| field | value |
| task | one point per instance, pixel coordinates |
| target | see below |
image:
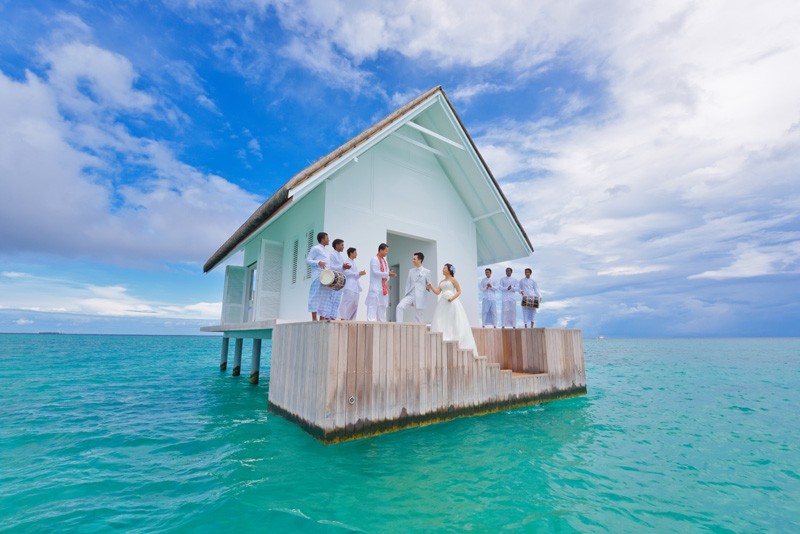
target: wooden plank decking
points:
(345, 379)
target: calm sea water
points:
(101, 433)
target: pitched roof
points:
(281, 197)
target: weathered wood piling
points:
(223, 362)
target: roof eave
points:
(524, 234)
(268, 208)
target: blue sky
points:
(652, 151)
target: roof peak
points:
(281, 196)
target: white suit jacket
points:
(416, 284)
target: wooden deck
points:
(342, 380)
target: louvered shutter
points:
(268, 294)
(233, 295)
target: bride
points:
(449, 316)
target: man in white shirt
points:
(329, 300)
(352, 288)
(416, 289)
(528, 288)
(378, 294)
(508, 290)
(318, 260)
(489, 293)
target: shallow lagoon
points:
(144, 433)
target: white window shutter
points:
(268, 294)
(310, 243)
(233, 296)
(295, 258)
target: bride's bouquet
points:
(448, 294)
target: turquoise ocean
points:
(144, 434)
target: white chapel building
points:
(414, 180)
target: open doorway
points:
(394, 294)
(401, 247)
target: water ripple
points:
(95, 437)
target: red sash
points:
(384, 268)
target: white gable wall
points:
(396, 187)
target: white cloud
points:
(89, 78)
(334, 39)
(565, 322)
(320, 58)
(54, 295)
(464, 32)
(465, 93)
(627, 270)
(696, 154)
(62, 190)
(22, 321)
(14, 274)
(751, 261)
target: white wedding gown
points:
(451, 319)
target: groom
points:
(418, 279)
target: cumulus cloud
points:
(449, 33)
(76, 182)
(88, 78)
(690, 174)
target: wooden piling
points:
(237, 357)
(255, 361)
(223, 360)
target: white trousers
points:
(348, 308)
(376, 312)
(510, 313)
(528, 315)
(408, 302)
(489, 312)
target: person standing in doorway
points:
(318, 260)
(489, 304)
(416, 289)
(378, 294)
(508, 291)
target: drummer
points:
(528, 288)
(317, 260)
(330, 299)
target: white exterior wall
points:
(397, 188)
(307, 214)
